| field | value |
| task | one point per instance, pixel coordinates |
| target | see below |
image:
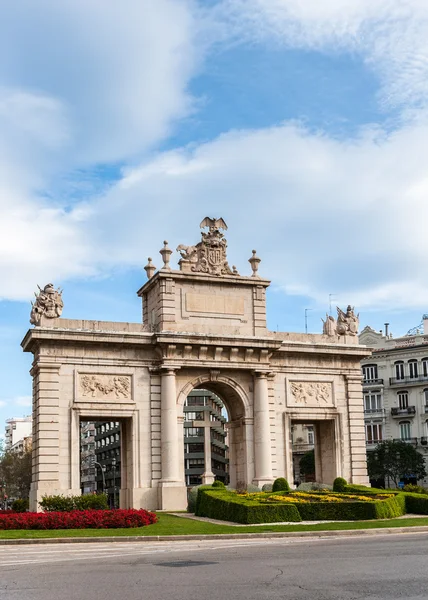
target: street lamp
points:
(113, 464)
(103, 470)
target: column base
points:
(208, 478)
(172, 495)
(262, 480)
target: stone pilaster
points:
(46, 408)
(262, 441)
(357, 442)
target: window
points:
(426, 398)
(193, 416)
(403, 399)
(193, 432)
(399, 369)
(311, 435)
(195, 463)
(373, 401)
(370, 372)
(374, 433)
(413, 369)
(405, 430)
(195, 448)
(425, 367)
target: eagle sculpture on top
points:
(213, 224)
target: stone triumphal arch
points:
(203, 327)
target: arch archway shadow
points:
(239, 425)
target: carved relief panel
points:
(314, 394)
(100, 386)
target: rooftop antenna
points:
(306, 319)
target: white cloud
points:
(324, 214)
(16, 401)
(83, 83)
(23, 401)
(390, 35)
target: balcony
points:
(409, 411)
(408, 380)
(372, 443)
(413, 441)
(374, 412)
(370, 382)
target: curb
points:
(221, 536)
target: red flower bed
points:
(78, 519)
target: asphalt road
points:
(383, 567)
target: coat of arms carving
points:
(209, 256)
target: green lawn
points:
(172, 525)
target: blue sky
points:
(303, 124)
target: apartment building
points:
(17, 428)
(205, 449)
(87, 457)
(395, 387)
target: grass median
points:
(173, 525)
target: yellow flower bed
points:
(305, 497)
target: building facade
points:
(108, 460)
(203, 328)
(205, 448)
(87, 457)
(17, 429)
(395, 388)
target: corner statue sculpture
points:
(346, 324)
(48, 304)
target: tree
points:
(307, 463)
(15, 473)
(396, 460)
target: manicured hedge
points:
(352, 511)
(78, 519)
(228, 506)
(415, 503)
(368, 491)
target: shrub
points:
(252, 489)
(415, 489)
(312, 486)
(229, 506)
(280, 485)
(78, 519)
(218, 484)
(192, 497)
(66, 503)
(20, 505)
(267, 487)
(339, 484)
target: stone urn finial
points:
(166, 255)
(254, 262)
(150, 268)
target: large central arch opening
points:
(214, 434)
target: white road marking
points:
(26, 555)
